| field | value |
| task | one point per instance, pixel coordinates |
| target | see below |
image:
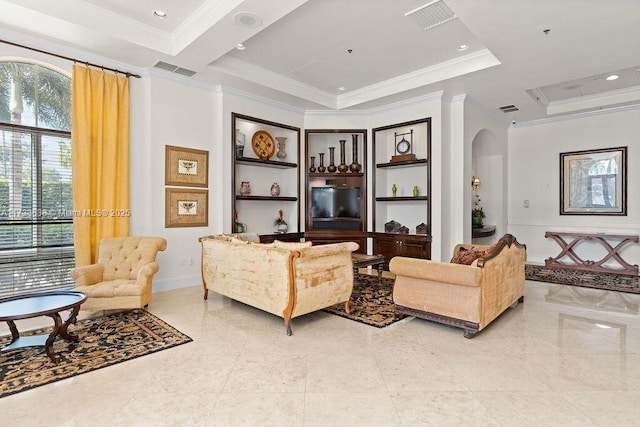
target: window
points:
(601, 187)
(36, 211)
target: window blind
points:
(36, 210)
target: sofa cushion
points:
(293, 246)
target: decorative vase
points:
(355, 167)
(394, 189)
(275, 189)
(321, 168)
(312, 168)
(332, 167)
(342, 167)
(416, 191)
(283, 227)
(281, 154)
(245, 188)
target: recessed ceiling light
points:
(240, 46)
(247, 20)
(613, 77)
(160, 14)
(341, 88)
(463, 47)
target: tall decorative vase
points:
(342, 167)
(321, 168)
(355, 167)
(281, 154)
(394, 189)
(332, 166)
(312, 168)
(416, 191)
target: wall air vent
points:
(431, 14)
(508, 108)
(174, 69)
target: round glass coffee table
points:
(41, 304)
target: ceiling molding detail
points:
(201, 20)
(248, 71)
(466, 64)
(597, 100)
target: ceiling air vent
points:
(508, 108)
(431, 14)
(174, 69)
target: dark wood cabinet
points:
(408, 245)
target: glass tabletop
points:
(31, 305)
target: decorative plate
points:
(263, 145)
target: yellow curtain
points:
(100, 156)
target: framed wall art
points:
(186, 167)
(186, 207)
(594, 182)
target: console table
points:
(567, 249)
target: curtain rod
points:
(126, 73)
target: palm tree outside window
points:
(36, 214)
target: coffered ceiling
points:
(546, 57)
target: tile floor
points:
(568, 356)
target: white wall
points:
(534, 174)
(478, 146)
(170, 112)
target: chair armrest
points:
(87, 274)
(457, 274)
(147, 271)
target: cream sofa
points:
(465, 296)
(285, 279)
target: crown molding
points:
(580, 115)
(466, 64)
(257, 98)
(597, 100)
(245, 70)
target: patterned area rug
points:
(371, 303)
(104, 341)
(587, 279)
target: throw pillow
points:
(466, 256)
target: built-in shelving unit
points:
(258, 210)
(336, 200)
(402, 158)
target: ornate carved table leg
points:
(48, 346)
(14, 331)
(64, 333)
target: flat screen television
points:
(331, 202)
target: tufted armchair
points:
(121, 278)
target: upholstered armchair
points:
(454, 293)
(121, 278)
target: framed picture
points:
(186, 208)
(594, 182)
(186, 167)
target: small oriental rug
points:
(587, 279)
(104, 341)
(371, 303)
